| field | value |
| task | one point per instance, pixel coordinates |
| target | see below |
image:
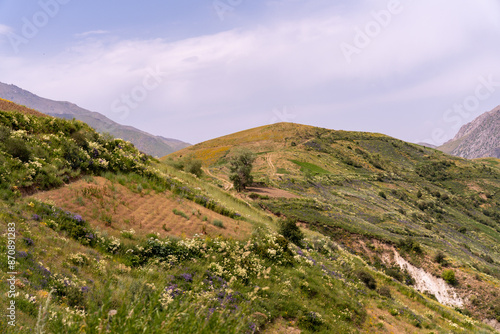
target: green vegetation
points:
(241, 168)
(329, 275)
(309, 167)
(180, 213)
(188, 164)
(218, 223)
(290, 230)
(449, 276)
(45, 152)
(372, 187)
(367, 279)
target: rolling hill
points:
(374, 186)
(343, 232)
(477, 139)
(150, 144)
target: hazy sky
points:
(198, 69)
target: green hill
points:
(361, 187)
(88, 259)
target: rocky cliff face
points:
(477, 139)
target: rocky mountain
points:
(477, 139)
(146, 142)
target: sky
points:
(199, 69)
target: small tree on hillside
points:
(241, 168)
(193, 166)
(290, 230)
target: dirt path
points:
(227, 185)
(271, 165)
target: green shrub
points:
(395, 273)
(311, 321)
(193, 166)
(449, 276)
(218, 223)
(487, 258)
(440, 258)
(180, 213)
(385, 292)
(382, 194)
(290, 230)
(4, 133)
(18, 149)
(254, 196)
(367, 278)
(410, 245)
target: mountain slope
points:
(104, 253)
(477, 139)
(150, 144)
(362, 189)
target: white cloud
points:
(91, 33)
(4, 30)
(429, 51)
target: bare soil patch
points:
(271, 192)
(114, 208)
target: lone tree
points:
(241, 167)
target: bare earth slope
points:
(115, 208)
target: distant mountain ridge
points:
(477, 139)
(146, 142)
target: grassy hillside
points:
(126, 244)
(359, 188)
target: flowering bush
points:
(69, 146)
(78, 259)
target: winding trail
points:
(270, 164)
(227, 185)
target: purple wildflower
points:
(28, 241)
(187, 277)
(21, 255)
(252, 326)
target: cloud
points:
(5, 29)
(91, 33)
(240, 76)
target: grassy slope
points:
(103, 281)
(382, 189)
